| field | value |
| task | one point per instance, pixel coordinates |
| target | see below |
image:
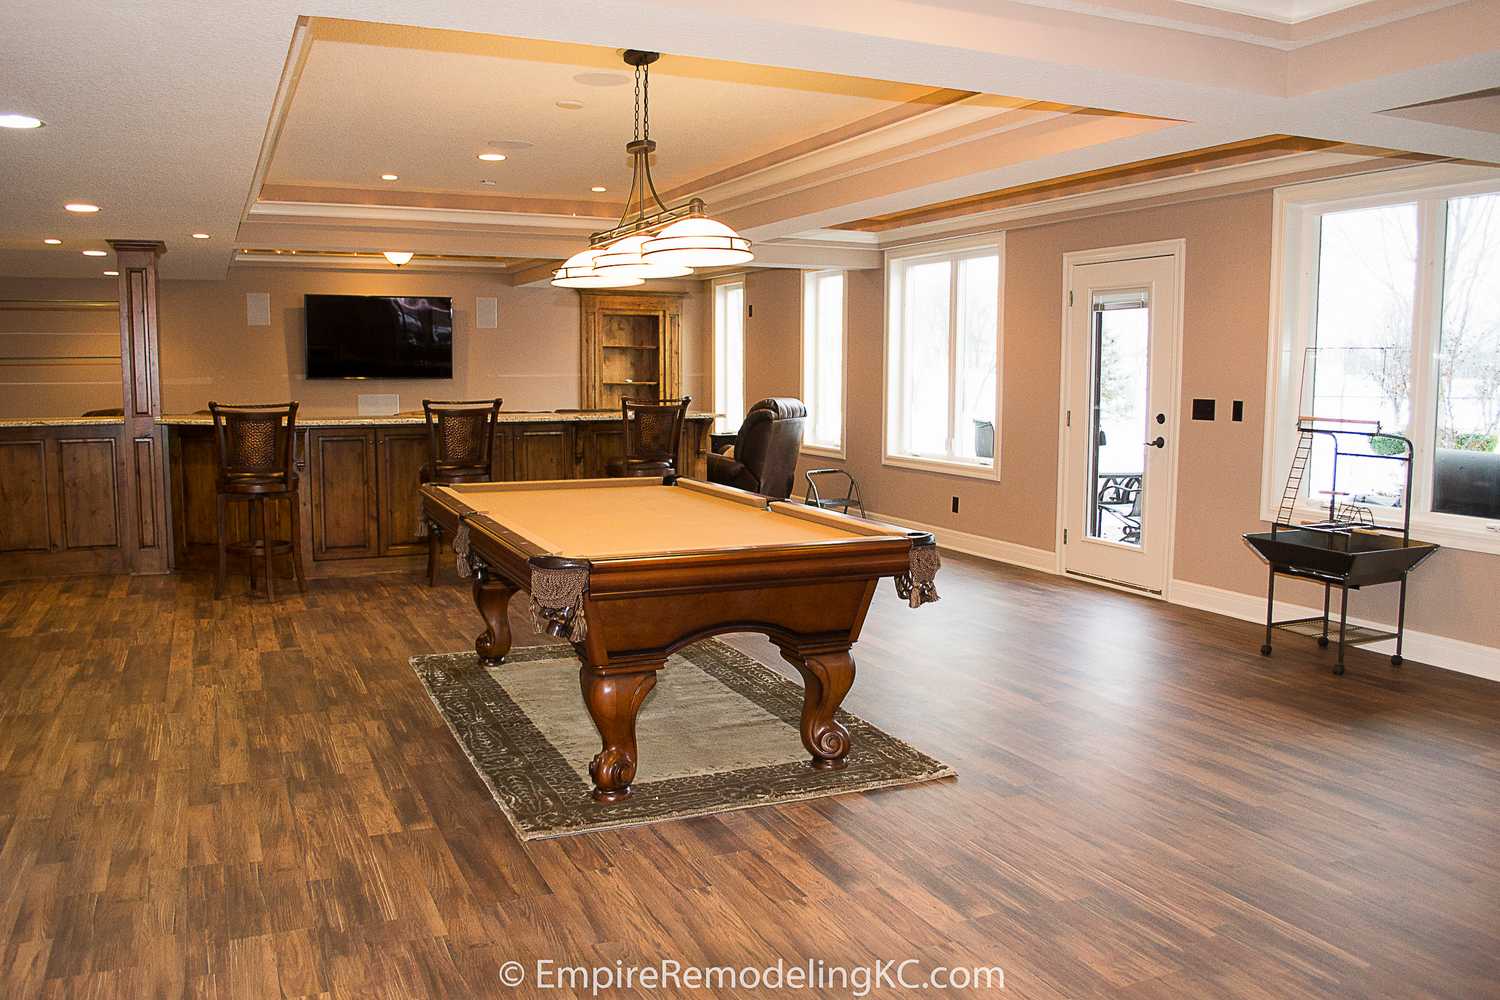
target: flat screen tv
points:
(378, 336)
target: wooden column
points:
(144, 502)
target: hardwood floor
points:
(230, 799)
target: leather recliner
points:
(765, 450)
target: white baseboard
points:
(1423, 647)
(981, 545)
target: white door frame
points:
(1177, 250)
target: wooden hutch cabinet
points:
(632, 347)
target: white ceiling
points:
(1286, 11)
(425, 113)
(159, 112)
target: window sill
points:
(823, 451)
(1437, 529)
(969, 470)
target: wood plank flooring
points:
(226, 799)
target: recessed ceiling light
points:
(200, 236)
(488, 183)
(111, 274)
(598, 189)
(81, 206)
(601, 79)
(569, 104)
(20, 121)
(53, 243)
(96, 253)
(492, 157)
(390, 177)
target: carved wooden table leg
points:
(613, 701)
(826, 677)
(492, 597)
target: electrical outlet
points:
(955, 505)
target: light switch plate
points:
(486, 312)
(257, 308)
(379, 404)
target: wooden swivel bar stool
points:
(254, 450)
(460, 445)
(653, 432)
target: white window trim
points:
(943, 248)
(823, 451)
(713, 347)
(1294, 266)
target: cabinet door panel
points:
(345, 522)
(544, 451)
(401, 456)
(23, 496)
(601, 442)
(90, 503)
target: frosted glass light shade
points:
(697, 243)
(578, 272)
(398, 257)
(624, 257)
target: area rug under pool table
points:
(718, 733)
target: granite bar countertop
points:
(400, 419)
(59, 421)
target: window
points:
(729, 355)
(942, 337)
(823, 361)
(1391, 279)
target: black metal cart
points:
(1347, 551)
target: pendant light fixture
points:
(652, 240)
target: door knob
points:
(1160, 442)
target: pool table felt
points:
(607, 521)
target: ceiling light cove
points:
(20, 121)
(492, 157)
(652, 240)
(96, 253)
(81, 207)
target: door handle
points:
(1160, 442)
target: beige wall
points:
(209, 352)
(55, 362)
(1226, 322)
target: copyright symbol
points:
(512, 974)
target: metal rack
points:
(1347, 550)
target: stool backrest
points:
(653, 428)
(460, 435)
(254, 440)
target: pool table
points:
(630, 570)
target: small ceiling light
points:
(20, 121)
(53, 243)
(569, 104)
(111, 274)
(390, 177)
(96, 253)
(81, 206)
(492, 157)
(398, 257)
(598, 189)
(200, 236)
(488, 182)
